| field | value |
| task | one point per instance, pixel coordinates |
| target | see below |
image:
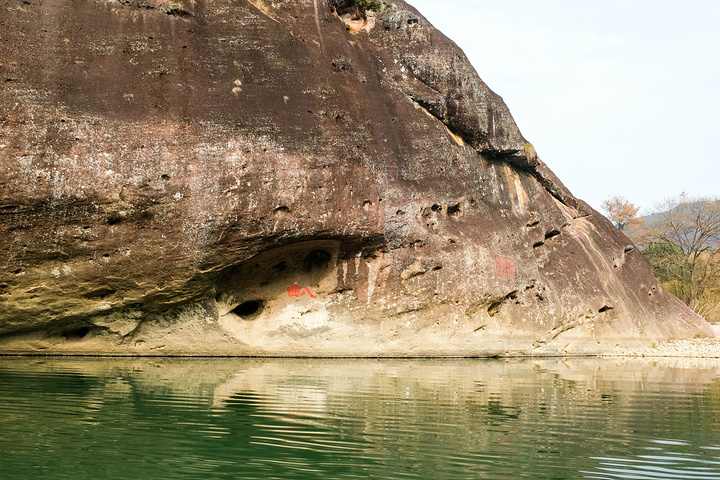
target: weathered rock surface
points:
(291, 177)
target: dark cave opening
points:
(248, 309)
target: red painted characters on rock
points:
(505, 267)
(296, 290)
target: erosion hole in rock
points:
(114, 219)
(342, 7)
(454, 210)
(436, 208)
(604, 309)
(76, 333)
(494, 307)
(282, 209)
(248, 309)
(552, 233)
(316, 259)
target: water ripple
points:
(684, 461)
(266, 419)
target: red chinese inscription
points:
(297, 291)
(505, 267)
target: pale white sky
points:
(619, 97)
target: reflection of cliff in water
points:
(329, 387)
(320, 416)
(311, 382)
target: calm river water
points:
(338, 419)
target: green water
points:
(341, 419)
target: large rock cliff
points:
(290, 177)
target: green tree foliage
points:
(665, 258)
(682, 243)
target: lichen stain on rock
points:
(251, 178)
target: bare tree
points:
(682, 242)
(620, 212)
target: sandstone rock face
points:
(290, 177)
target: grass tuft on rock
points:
(373, 5)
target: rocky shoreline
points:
(696, 348)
